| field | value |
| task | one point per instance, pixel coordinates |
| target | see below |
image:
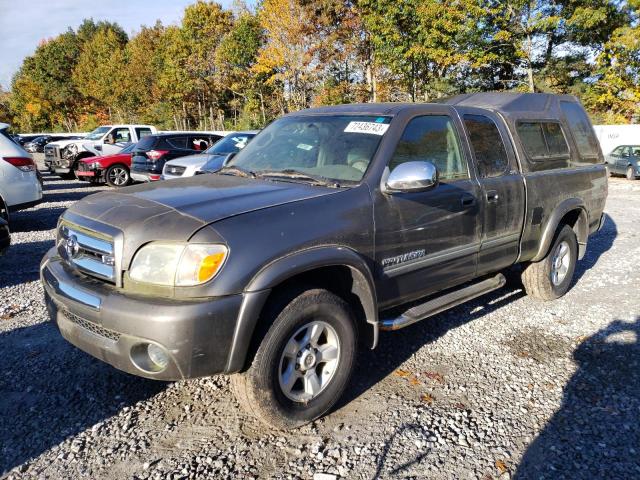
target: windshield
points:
(97, 133)
(232, 143)
(334, 147)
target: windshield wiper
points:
(296, 174)
(238, 171)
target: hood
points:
(191, 160)
(175, 210)
(115, 156)
(63, 143)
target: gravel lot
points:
(501, 387)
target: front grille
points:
(51, 153)
(87, 251)
(83, 167)
(92, 327)
(176, 170)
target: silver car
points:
(624, 160)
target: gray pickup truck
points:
(334, 223)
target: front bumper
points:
(88, 173)
(138, 176)
(63, 170)
(112, 326)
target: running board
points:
(444, 302)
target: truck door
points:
(502, 186)
(428, 240)
(116, 140)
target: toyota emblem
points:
(71, 246)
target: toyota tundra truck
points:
(63, 157)
(333, 224)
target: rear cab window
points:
(142, 132)
(544, 143)
(582, 131)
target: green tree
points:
(101, 69)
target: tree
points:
(101, 69)
(289, 54)
(615, 94)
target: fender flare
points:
(581, 227)
(284, 268)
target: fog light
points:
(158, 356)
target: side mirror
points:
(228, 158)
(412, 177)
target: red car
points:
(112, 169)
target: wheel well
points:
(338, 279)
(577, 220)
(82, 156)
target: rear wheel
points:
(303, 364)
(631, 175)
(117, 176)
(4, 211)
(551, 277)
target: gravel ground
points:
(502, 387)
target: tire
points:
(261, 390)
(4, 212)
(541, 280)
(630, 174)
(117, 176)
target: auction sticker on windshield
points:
(367, 127)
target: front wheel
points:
(117, 176)
(551, 277)
(303, 364)
(631, 175)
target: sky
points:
(24, 23)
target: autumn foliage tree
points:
(238, 68)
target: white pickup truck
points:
(62, 157)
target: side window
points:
(543, 140)
(122, 135)
(198, 143)
(487, 145)
(617, 152)
(624, 153)
(143, 132)
(432, 138)
(581, 129)
(178, 142)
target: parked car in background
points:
(214, 156)
(21, 139)
(63, 157)
(19, 184)
(624, 160)
(37, 144)
(114, 170)
(333, 224)
(151, 153)
(5, 236)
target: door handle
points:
(492, 196)
(468, 201)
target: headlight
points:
(69, 151)
(94, 166)
(177, 263)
